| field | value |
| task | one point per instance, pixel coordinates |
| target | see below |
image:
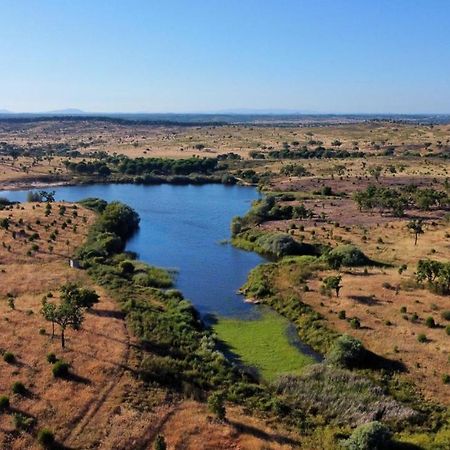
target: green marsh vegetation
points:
(262, 343)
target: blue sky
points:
(209, 55)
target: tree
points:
(333, 283)
(416, 226)
(369, 436)
(48, 311)
(346, 352)
(375, 172)
(216, 405)
(67, 315)
(82, 297)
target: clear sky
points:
(209, 55)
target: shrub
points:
(4, 403)
(51, 358)
(403, 309)
(46, 438)
(355, 323)
(370, 436)
(342, 315)
(446, 378)
(22, 422)
(9, 357)
(446, 315)
(422, 338)
(348, 255)
(19, 388)
(346, 352)
(216, 405)
(447, 329)
(60, 369)
(429, 322)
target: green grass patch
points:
(264, 344)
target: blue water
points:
(181, 228)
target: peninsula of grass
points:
(264, 344)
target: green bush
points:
(216, 405)
(51, 358)
(429, 322)
(22, 422)
(445, 315)
(9, 357)
(46, 438)
(422, 338)
(347, 255)
(4, 403)
(347, 352)
(19, 388)
(447, 329)
(60, 369)
(370, 436)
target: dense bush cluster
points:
(346, 255)
(305, 153)
(268, 208)
(396, 201)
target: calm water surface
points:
(181, 228)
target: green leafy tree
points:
(333, 283)
(416, 226)
(82, 297)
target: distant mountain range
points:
(237, 116)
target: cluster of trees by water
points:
(144, 166)
(306, 153)
(397, 200)
(269, 208)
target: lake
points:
(184, 228)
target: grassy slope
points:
(263, 343)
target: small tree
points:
(48, 311)
(68, 315)
(369, 436)
(216, 405)
(416, 226)
(333, 283)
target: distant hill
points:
(68, 111)
(4, 111)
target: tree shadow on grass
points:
(368, 300)
(108, 313)
(263, 435)
(378, 362)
